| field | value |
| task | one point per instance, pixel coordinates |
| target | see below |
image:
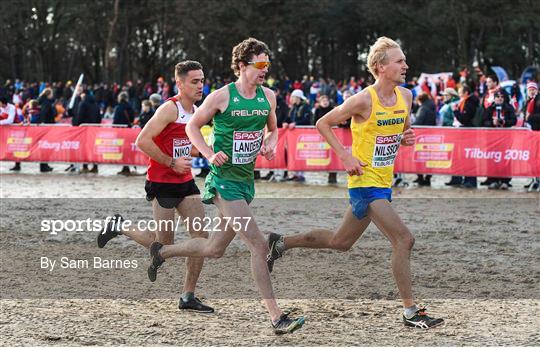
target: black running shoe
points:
(157, 260)
(287, 325)
(275, 244)
(421, 320)
(195, 305)
(111, 230)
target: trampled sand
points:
(475, 263)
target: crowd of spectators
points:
(469, 102)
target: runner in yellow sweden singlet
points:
(376, 141)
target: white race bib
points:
(246, 146)
(181, 148)
(385, 150)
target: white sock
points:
(409, 312)
(280, 245)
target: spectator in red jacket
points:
(532, 112)
(532, 117)
(8, 113)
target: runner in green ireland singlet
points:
(245, 125)
(238, 132)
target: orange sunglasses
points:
(260, 65)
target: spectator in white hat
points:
(300, 113)
(446, 115)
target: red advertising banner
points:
(438, 150)
(114, 145)
(307, 150)
(70, 144)
(472, 152)
(279, 160)
(35, 144)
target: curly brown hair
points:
(245, 50)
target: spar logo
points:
(246, 146)
(247, 135)
(181, 142)
(399, 112)
(390, 139)
(181, 148)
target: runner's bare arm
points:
(268, 148)
(194, 151)
(408, 133)
(214, 103)
(356, 106)
(164, 115)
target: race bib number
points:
(181, 148)
(385, 151)
(246, 146)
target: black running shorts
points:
(169, 195)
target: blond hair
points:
(377, 53)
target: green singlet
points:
(238, 132)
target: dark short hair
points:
(466, 89)
(3, 99)
(422, 97)
(493, 77)
(245, 50)
(181, 69)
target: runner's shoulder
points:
(269, 94)
(221, 94)
(405, 92)
(167, 111)
(218, 99)
(361, 101)
(363, 97)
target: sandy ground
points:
(475, 263)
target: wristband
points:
(173, 162)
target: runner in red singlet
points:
(169, 182)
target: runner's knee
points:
(340, 244)
(198, 234)
(405, 240)
(215, 251)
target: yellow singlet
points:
(376, 141)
